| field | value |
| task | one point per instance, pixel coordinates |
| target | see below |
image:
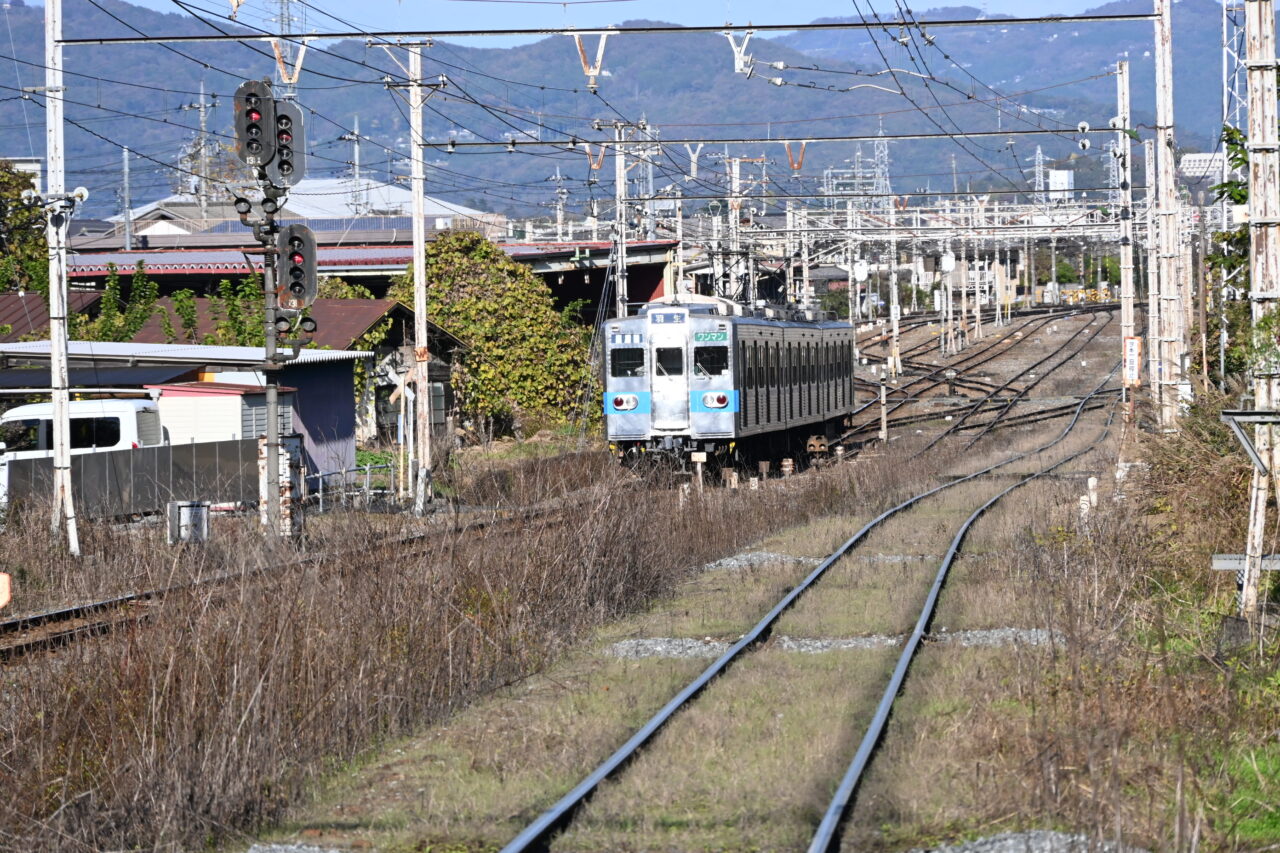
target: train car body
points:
(706, 376)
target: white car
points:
(26, 432)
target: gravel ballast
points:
(682, 647)
(752, 559)
(1033, 841)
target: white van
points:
(26, 432)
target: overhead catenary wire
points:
(392, 35)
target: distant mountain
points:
(684, 84)
(1028, 57)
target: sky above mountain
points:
(518, 14)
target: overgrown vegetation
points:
(525, 365)
(210, 719)
(1155, 717)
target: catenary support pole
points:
(1155, 374)
(620, 219)
(1172, 333)
(1264, 264)
(1125, 152)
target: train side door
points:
(669, 378)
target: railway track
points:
(539, 833)
(1006, 405)
(935, 376)
(57, 628)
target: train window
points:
(670, 361)
(628, 361)
(710, 361)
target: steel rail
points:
(1009, 404)
(827, 836)
(1021, 393)
(968, 359)
(652, 29)
(537, 834)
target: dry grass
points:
(1138, 724)
(212, 718)
(749, 767)
(475, 780)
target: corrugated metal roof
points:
(104, 351)
(329, 198)
(29, 312)
(340, 322)
(232, 261)
(93, 377)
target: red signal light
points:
(254, 115)
(285, 137)
(619, 402)
(722, 399)
(296, 258)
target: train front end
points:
(669, 388)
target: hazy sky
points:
(485, 14)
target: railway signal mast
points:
(269, 139)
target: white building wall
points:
(198, 419)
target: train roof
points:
(762, 313)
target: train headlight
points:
(625, 402)
(715, 399)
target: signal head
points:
(296, 268)
(254, 112)
(289, 163)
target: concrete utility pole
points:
(620, 218)
(64, 509)
(735, 225)
(1264, 265)
(202, 151)
(421, 334)
(126, 201)
(895, 308)
(1172, 343)
(1124, 151)
(1155, 374)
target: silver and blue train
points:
(707, 379)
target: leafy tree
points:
(184, 305)
(24, 256)
(837, 301)
(237, 309)
(119, 318)
(525, 364)
(332, 287)
(1231, 258)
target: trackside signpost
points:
(1132, 378)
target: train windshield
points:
(628, 361)
(710, 361)
(670, 361)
